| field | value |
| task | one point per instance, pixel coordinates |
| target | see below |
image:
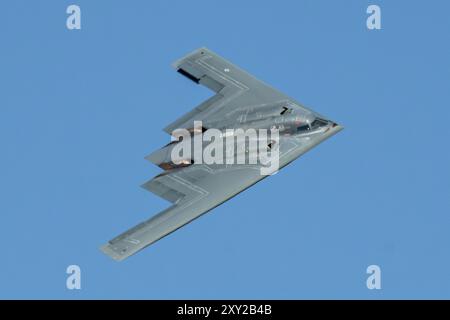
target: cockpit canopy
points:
(317, 123)
(309, 127)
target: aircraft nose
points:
(335, 126)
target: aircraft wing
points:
(233, 88)
(194, 190)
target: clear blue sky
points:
(79, 110)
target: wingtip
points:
(201, 50)
(109, 251)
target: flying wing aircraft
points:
(194, 188)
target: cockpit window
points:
(317, 123)
(303, 129)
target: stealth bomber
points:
(240, 103)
